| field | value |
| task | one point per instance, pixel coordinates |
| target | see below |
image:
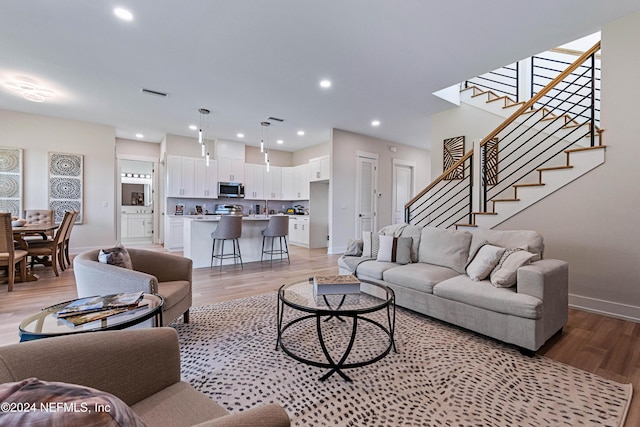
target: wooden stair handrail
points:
(526, 106)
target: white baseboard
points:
(333, 250)
(606, 308)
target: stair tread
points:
(573, 150)
(465, 225)
(484, 213)
(529, 185)
(553, 168)
(505, 200)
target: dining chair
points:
(63, 250)
(9, 256)
(50, 247)
(39, 216)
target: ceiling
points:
(246, 60)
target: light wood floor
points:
(598, 344)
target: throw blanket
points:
(394, 230)
(352, 262)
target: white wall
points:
(344, 146)
(592, 222)
(37, 136)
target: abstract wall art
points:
(453, 150)
(11, 181)
(490, 162)
(66, 184)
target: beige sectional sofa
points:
(436, 283)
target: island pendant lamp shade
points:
(202, 137)
(263, 146)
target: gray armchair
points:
(141, 367)
(153, 272)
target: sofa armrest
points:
(271, 415)
(165, 267)
(93, 277)
(547, 280)
(130, 364)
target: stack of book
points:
(336, 285)
(86, 310)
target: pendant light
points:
(264, 146)
(201, 135)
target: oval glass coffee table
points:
(45, 324)
(357, 325)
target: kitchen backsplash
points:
(277, 206)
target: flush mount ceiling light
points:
(123, 14)
(375, 123)
(29, 90)
(325, 84)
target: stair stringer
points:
(581, 161)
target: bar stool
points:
(229, 228)
(278, 227)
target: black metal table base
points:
(322, 316)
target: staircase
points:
(541, 146)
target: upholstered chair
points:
(169, 276)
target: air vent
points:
(275, 119)
(153, 92)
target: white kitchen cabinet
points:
(287, 184)
(273, 183)
(173, 233)
(301, 182)
(299, 231)
(254, 181)
(206, 179)
(231, 169)
(180, 176)
(319, 169)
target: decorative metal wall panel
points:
(453, 150)
(11, 181)
(66, 184)
(490, 163)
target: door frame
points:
(375, 157)
(394, 164)
(155, 238)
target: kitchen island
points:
(198, 241)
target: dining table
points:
(42, 230)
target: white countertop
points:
(244, 218)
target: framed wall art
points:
(490, 162)
(452, 151)
(11, 181)
(66, 184)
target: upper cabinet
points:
(206, 179)
(273, 183)
(180, 176)
(319, 169)
(254, 181)
(301, 182)
(230, 157)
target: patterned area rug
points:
(441, 375)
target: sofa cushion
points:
(486, 258)
(173, 292)
(91, 407)
(395, 249)
(370, 243)
(178, 405)
(374, 269)
(446, 248)
(504, 274)
(418, 276)
(530, 240)
(484, 295)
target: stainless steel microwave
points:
(230, 189)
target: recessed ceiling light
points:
(240, 135)
(300, 133)
(280, 141)
(325, 84)
(139, 135)
(193, 127)
(375, 123)
(123, 14)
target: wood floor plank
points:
(592, 342)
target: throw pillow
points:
(484, 262)
(504, 275)
(64, 405)
(394, 249)
(370, 244)
(117, 256)
(444, 247)
(354, 248)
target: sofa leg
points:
(526, 352)
(185, 317)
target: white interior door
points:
(366, 192)
(403, 188)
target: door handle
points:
(360, 215)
